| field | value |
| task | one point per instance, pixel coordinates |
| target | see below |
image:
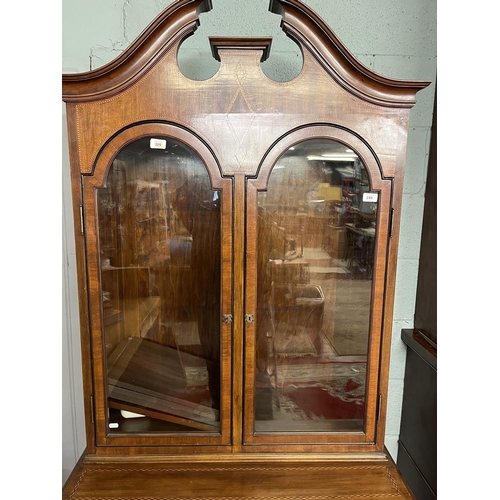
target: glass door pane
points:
(315, 253)
(160, 251)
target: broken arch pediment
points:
(299, 22)
(333, 88)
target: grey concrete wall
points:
(396, 38)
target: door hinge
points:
(92, 409)
(391, 222)
(379, 409)
(82, 227)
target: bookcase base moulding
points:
(236, 243)
(174, 478)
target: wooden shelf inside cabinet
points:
(150, 379)
(132, 318)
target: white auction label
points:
(158, 144)
(373, 197)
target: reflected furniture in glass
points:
(236, 245)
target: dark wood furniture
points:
(417, 446)
(230, 348)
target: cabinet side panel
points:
(73, 434)
(81, 286)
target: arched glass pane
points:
(160, 247)
(316, 239)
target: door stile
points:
(238, 310)
(94, 287)
(373, 390)
(227, 328)
(250, 309)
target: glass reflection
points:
(159, 237)
(316, 234)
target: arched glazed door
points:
(160, 214)
(317, 256)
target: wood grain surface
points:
(232, 481)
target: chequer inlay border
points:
(396, 494)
